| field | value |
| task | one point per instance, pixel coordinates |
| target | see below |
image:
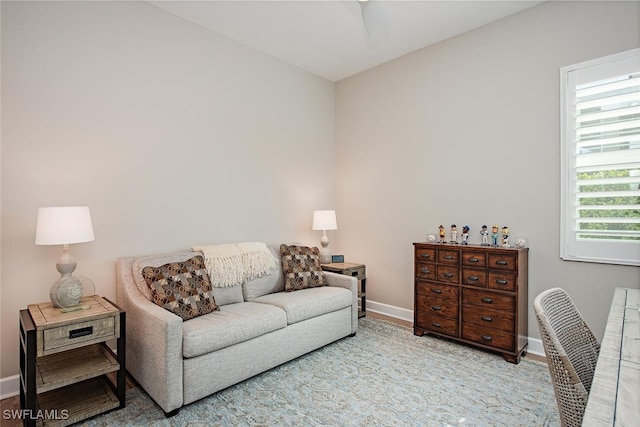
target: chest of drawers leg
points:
(476, 295)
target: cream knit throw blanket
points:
(234, 263)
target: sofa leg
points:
(171, 413)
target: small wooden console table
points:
(359, 271)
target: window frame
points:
(571, 248)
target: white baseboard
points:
(535, 345)
(9, 386)
(390, 310)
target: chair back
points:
(571, 350)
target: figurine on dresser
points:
(485, 236)
(505, 237)
(465, 235)
(441, 233)
(494, 236)
(454, 234)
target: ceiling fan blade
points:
(376, 19)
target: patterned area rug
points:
(384, 376)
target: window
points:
(600, 155)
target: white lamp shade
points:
(64, 225)
(324, 220)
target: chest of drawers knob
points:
(436, 308)
(474, 259)
(501, 262)
(487, 338)
(436, 291)
(487, 300)
(487, 318)
(425, 271)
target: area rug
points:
(384, 376)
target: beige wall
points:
(467, 132)
(172, 135)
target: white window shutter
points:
(600, 119)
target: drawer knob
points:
(487, 338)
(425, 255)
(501, 262)
(487, 318)
(474, 259)
(437, 325)
(501, 282)
(473, 278)
(425, 271)
(436, 291)
(487, 300)
(82, 332)
(436, 308)
(448, 275)
(448, 257)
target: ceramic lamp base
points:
(66, 292)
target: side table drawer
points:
(358, 272)
(71, 336)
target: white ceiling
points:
(328, 37)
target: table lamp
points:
(65, 226)
(324, 220)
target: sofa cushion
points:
(267, 284)
(233, 324)
(308, 303)
(230, 295)
(183, 287)
(301, 267)
(223, 296)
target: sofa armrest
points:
(154, 341)
(350, 283)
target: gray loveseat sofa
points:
(258, 327)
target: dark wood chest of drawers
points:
(473, 294)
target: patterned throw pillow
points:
(301, 267)
(183, 288)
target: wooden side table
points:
(358, 271)
(64, 360)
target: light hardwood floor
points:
(13, 403)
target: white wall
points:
(467, 132)
(173, 136)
